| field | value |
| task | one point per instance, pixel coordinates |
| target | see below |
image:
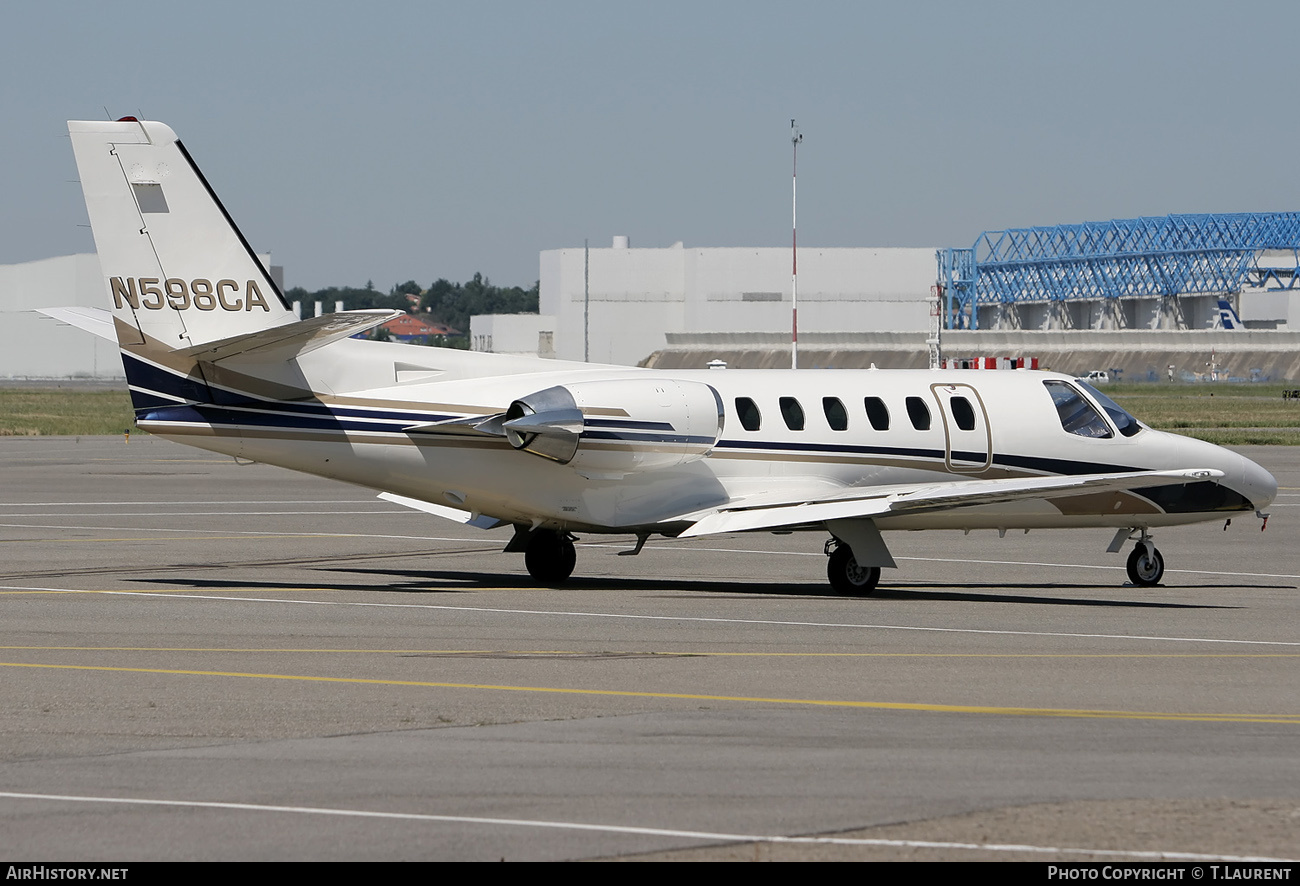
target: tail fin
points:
(180, 274)
(1228, 318)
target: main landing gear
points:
(845, 575)
(550, 556)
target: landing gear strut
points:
(1145, 565)
(846, 576)
(550, 556)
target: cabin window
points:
(877, 413)
(962, 413)
(792, 412)
(750, 417)
(919, 413)
(1077, 415)
(836, 415)
(1127, 424)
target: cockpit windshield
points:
(1127, 424)
(1077, 415)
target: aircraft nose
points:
(1257, 485)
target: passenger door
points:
(969, 442)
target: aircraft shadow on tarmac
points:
(398, 581)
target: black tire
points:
(550, 557)
(847, 577)
(1145, 566)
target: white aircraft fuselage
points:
(215, 359)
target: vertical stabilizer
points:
(178, 273)
(1228, 318)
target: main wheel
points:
(550, 556)
(847, 577)
(1145, 565)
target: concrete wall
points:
(1142, 355)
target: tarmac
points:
(211, 661)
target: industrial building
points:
(1140, 296)
(619, 305)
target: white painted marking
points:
(1086, 566)
(642, 617)
(238, 531)
(640, 831)
(329, 513)
(661, 549)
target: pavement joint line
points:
(711, 836)
(911, 707)
(667, 652)
(199, 595)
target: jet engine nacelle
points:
(617, 426)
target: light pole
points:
(795, 138)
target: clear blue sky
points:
(423, 140)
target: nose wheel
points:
(1145, 565)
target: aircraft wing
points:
(877, 501)
(478, 521)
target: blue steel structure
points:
(1156, 256)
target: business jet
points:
(216, 358)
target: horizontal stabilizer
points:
(280, 343)
(96, 321)
(478, 521)
(929, 497)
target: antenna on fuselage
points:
(795, 137)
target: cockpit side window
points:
(1077, 415)
(750, 418)
(1127, 424)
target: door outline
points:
(977, 442)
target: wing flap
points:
(922, 497)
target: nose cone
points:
(1245, 486)
(1257, 485)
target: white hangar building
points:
(620, 304)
